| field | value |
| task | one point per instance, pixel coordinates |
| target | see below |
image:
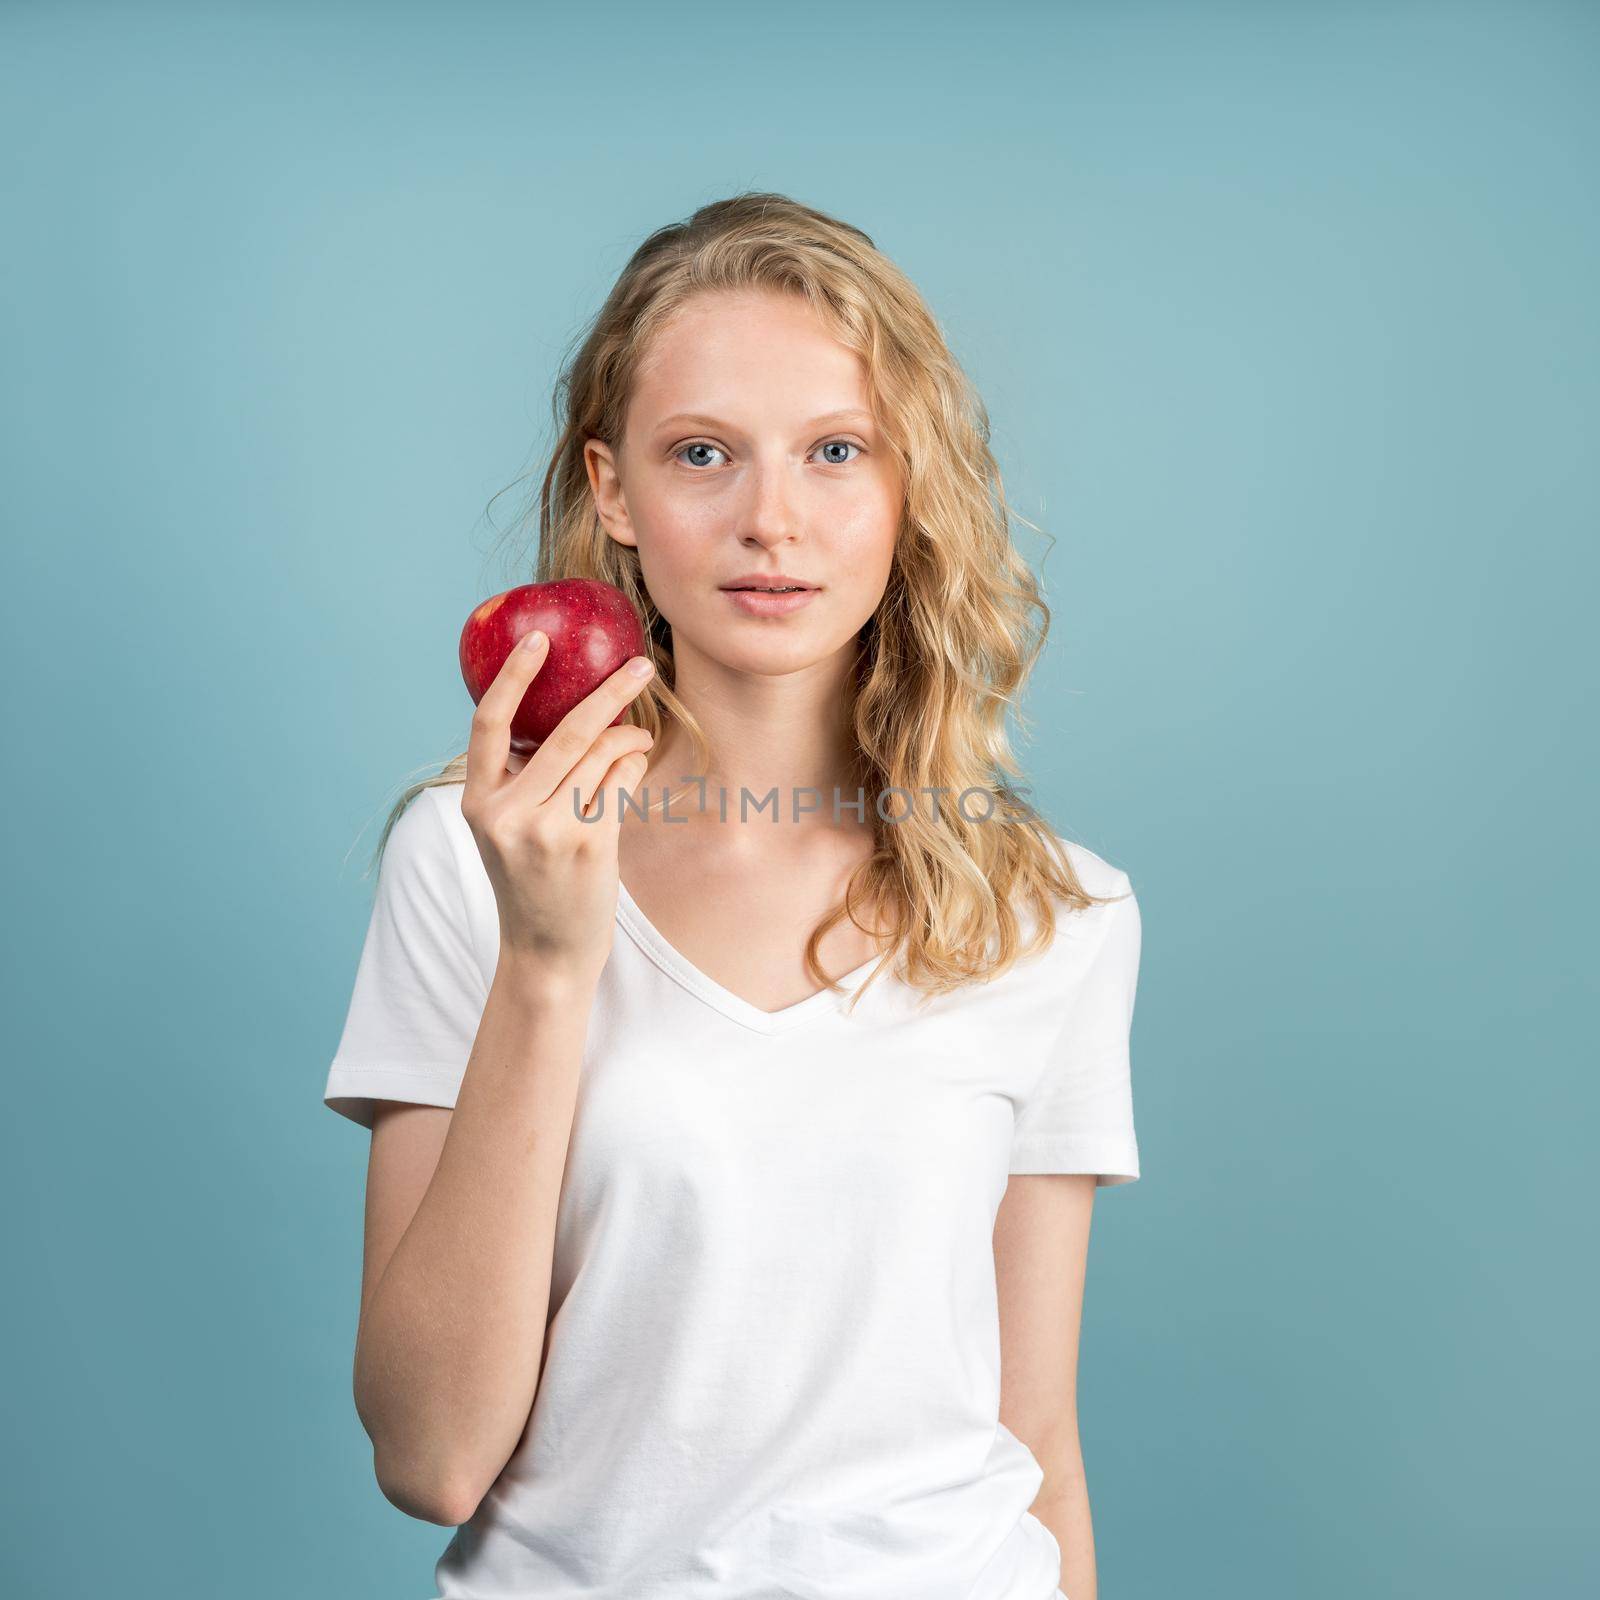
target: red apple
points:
(592, 628)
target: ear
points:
(605, 484)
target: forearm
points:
(451, 1344)
(1063, 1507)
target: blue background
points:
(1285, 316)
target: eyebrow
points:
(700, 420)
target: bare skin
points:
(771, 488)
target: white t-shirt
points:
(774, 1362)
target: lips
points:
(766, 601)
(761, 583)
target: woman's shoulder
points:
(429, 825)
(1098, 875)
(430, 841)
(1079, 932)
(1074, 925)
(440, 839)
(447, 797)
(445, 800)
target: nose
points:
(770, 519)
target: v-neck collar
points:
(649, 939)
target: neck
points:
(788, 731)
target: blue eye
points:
(848, 444)
(700, 444)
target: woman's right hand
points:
(554, 874)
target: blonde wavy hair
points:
(961, 623)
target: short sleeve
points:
(1078, 1116)
(419, 991)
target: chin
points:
(772, 659)
(771, 655)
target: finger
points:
(576, 792)
(489, 746)
(626, 772)
(552, 763)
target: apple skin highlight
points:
(592, 628)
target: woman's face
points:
(749, 453)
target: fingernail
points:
(532, 641)
(641, 667)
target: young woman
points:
(689, 1270)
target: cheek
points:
(660, 514)
(865, 528)
(677, 542)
